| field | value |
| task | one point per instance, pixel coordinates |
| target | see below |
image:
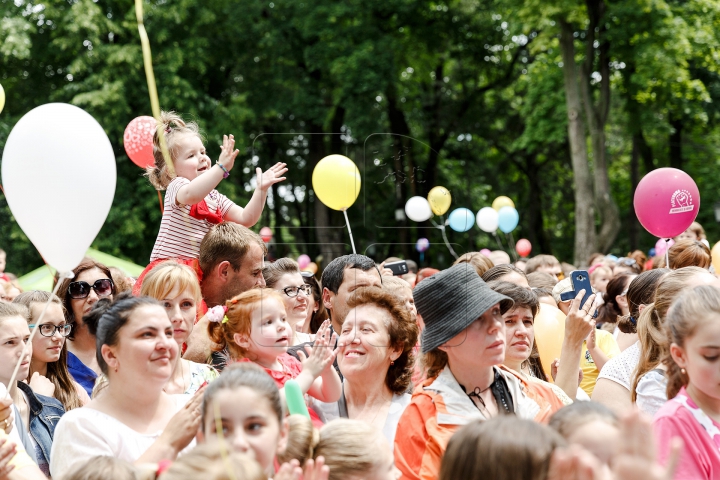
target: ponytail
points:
(302, 440)
(653, 343)
(171, 127)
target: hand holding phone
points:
(398, 268)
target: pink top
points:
(700, 457)
(183, 226)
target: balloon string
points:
(511, 243)
(498, 241)
(160, 202)
(447, 244)
(347, 222)
(152, 87)
(667, 253)
(28, 343)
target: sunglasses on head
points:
(628, 262)
(102, 287)
(307, 274)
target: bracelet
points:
(226, 173)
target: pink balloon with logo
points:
(138, 141)
(662, 246)
(303, 261)
(666, 202)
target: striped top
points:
(180, 234)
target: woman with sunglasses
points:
(283, 275)
(48, 367)
(91, 282)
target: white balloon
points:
(487, 219)
(418, 209)
(59, 176)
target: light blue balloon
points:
(508, 219)
(461, 219)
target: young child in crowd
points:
(600, 276)
(254, 329)
(192, 205)
(693, 330)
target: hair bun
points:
(92, 318)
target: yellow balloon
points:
(716, 257)
(2, 98)
(502, 201)
(336, 182)
(439, 199)
(549, 333)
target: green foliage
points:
(462, 93)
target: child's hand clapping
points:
(322, 354)
(271, 176)
(227, 155)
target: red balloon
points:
(523, 247)
(666, 202)
(266, 234)
(138, 141)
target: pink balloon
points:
(303, 261)
(138, 141)
(523, 247)
(485, 252)
(266, 234)
(661, 246)
(666, 202)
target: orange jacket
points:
(550, 398)
(438, 408)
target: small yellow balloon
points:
(716, 257)
(439, 198)
(502, 201)
(336, 182)
(2, 98)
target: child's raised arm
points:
(250, 215)
(201, 186)
(318, 377)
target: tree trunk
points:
(597, 117)
(585, 239)
(402, 147)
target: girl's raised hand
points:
(579, 322)
(271, 176)
(227, 152)
(323, 352)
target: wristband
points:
(225, 171)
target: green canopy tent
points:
(42, 278)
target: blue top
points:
(81, 373)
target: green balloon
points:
(295, 400)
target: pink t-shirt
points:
(700, 457)
(181, 230)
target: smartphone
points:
(580, 280)
(398, 268)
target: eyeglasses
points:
(293, 292)
(48, 329)
(102, 287)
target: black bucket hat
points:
(450, 301)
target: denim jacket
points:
(45, 413)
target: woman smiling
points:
(376, 359)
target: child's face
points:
(598, 437)
(700, 357)
(190, 159)
(600, 279)
(270, 332)
(253, 429)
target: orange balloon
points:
(549, 333)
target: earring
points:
(392, 362)
(682, 370)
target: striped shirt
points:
(180, 234)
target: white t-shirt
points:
(651, 391)
(620, 368)
(84, 433)
(180, 233)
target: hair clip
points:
(225, 319)
(217, 314)
(167, 129)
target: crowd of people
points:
(182, 372)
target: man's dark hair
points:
(334, 274)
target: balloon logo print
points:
(681, 201)
(138, 141)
